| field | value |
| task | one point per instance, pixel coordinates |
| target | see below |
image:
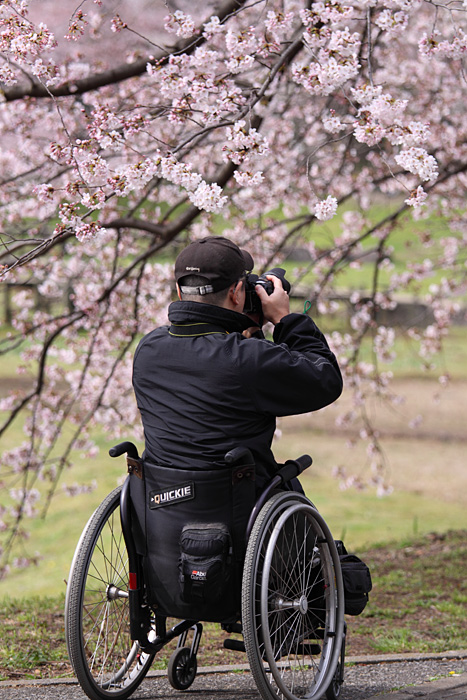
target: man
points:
(203, 385)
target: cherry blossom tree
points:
(128, 130)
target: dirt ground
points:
(438, 412)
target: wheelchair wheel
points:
(107, 663)
(292, 601)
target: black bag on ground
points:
(204, 562)
(357, 581)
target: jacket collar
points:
(186, 312)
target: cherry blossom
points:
(418, 161)
(417, 197)
(326, 209)
(180, 24)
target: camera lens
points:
(267, 285)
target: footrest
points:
(234, 644)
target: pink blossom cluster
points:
(430, 46)
(27, 501)
(419, 162)
(77, 25)
(278, 26)
(242, 47)
(326, 209)
(243, 143)
(180, 24)
(78, 489)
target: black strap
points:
(194, 330)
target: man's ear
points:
(234, 292)
(178, 291)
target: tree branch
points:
(124, 71)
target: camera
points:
(252, 301)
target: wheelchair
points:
(280, 586)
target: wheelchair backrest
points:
(189, 527)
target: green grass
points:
(407, 363)
(33, 637)
(405, 242)
(55, 536)
(362, 519)
(419, 600)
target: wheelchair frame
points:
(292, 616)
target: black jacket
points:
(203, 388)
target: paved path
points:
(429, 677)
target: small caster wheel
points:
(182, 668)
(334, 690)
(335, 687)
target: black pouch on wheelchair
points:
(357, 581)
(205, 555)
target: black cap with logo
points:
(217, 260)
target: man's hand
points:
(249, 333)
(277, 305)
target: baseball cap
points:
(217, 260)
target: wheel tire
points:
(182, 668)
(292, 600)
(107, 663)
